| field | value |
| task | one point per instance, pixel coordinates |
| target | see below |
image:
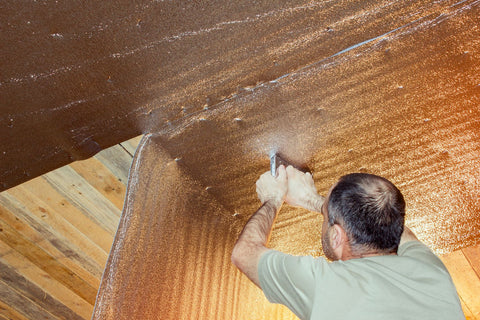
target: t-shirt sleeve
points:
(419, 251)
(288, 280)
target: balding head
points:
(370, 209)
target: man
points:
(379, 269)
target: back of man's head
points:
(370, 209)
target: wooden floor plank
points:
(102, 179)
(466, 311)
(8, 312)
(47, 263)
(81, 194)
(14, 299)
(466, 281)
(36, 269)
(42, 279)
(19, 219)
(117, 160)
(56, 229)
(131, 145)
(68, 211)
(8, 217)
(473, 256)
(32, 292)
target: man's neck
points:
(349, 254)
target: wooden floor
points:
(56, 232)
(464, 267)
(55, 236)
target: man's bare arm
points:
(251, 243)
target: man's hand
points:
(271, 188)
(302, 191)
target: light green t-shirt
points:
(411, 285)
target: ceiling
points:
(77, 78)
(389, 87)
(402, 104)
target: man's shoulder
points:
(412, 244)
(278, 265)
(289, 280)
(420, 252)
(274, 257)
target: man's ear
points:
(338, 236)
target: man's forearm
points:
(251, 243)
(314, 203)
(258, 228)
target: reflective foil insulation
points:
(385, 87)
